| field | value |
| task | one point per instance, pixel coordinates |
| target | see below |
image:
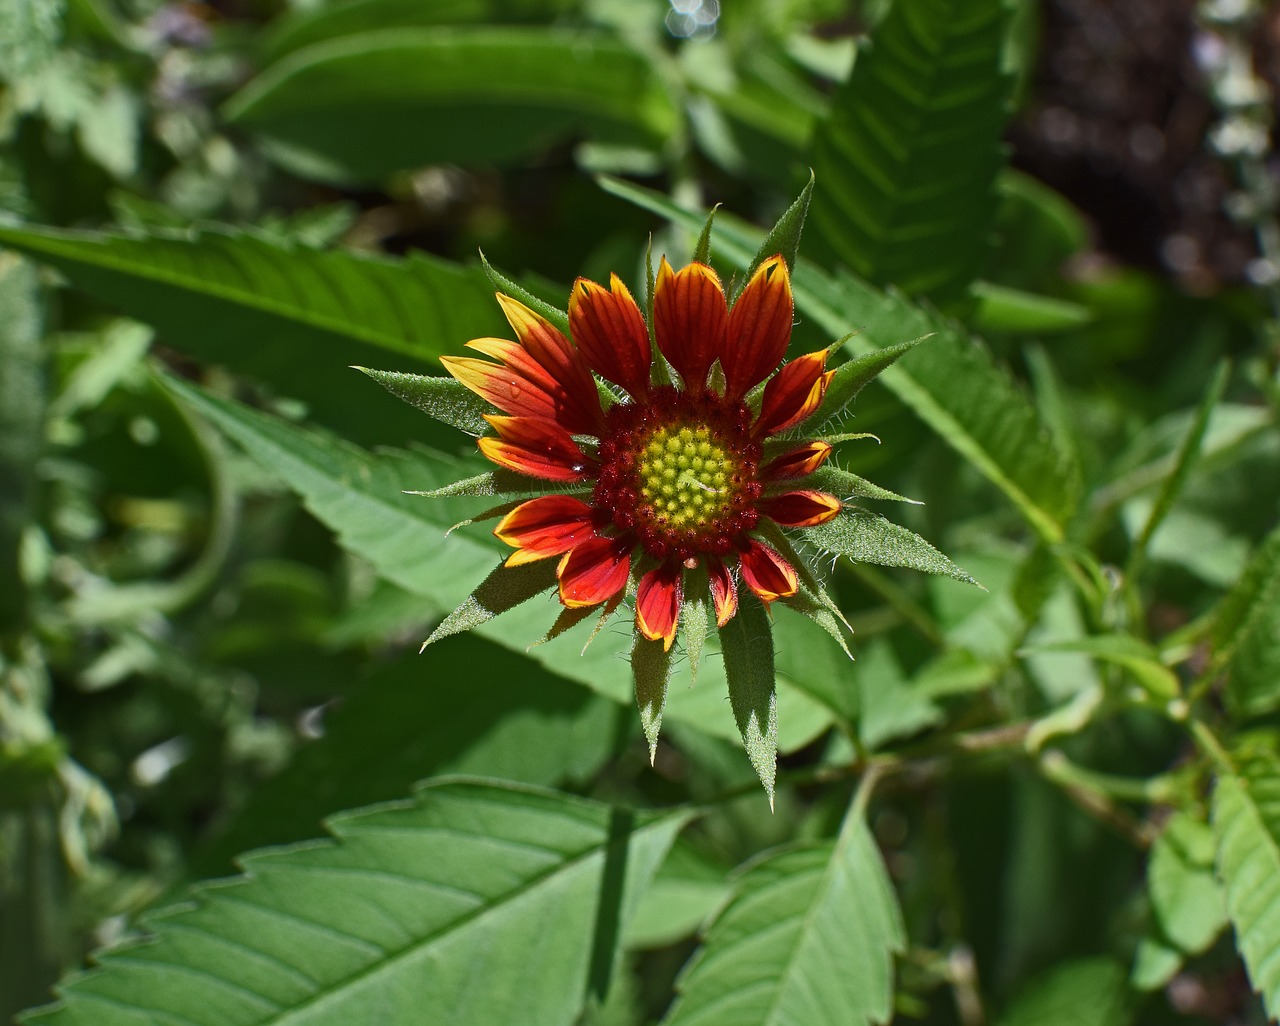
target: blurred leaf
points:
(420, 717)
(808, 937)
(1139, 658)
(1185, 895)
(393, 916)
(29, 33)
(907, 158)
(1247, 633)
(358, 108)
(891, 707)
(951, 383)
(1090, 992)
(1246, 822)
(292, 316)
(1004, 309)
(22, 395)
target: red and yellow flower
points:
(681, 460)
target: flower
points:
(683, 467)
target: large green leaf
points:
(908, 155)
(951, 382)
(1247, 633)
(415, 908)
(426, 715)
(292, 316)
(1185, 896)
(808, 937)
(358, 108)
(1090, 992)
(362, 497)
(1246, 820)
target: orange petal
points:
(690, 319)
(537, 447)
(594, 571)
(559, 358)
(507, 389)
(723, 594)
(801, 509)
(792, 394)
(766, 573)
(658, 603)
(798, 462)
(609, 330)
(546, 526)
(759, 328)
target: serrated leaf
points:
(908, 155)
(1185, 895)
(505, 588)
(952, 384)
(1246, 822)
(851, 377)
(783, 237)
(443, 399)
(746, 643)
(336, 110)
(651, 667)
(808, 936)
(867, 538)
(421, 716)
(222, 296)
(1089, 992)
(393, 916)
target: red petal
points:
(546, 526)
(767, 573)
(658, 603)
(537, 447)
(561, 359)
(801, 509)
(508, 390)
(594, 571)
(689, 320)
(759, 328)
(792, 394)
(723, 594)
(610, 331)
(797, 463)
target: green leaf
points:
(1136, 656)
(1090, 992)
(952, 384)
(852, 377)
(783, 237)
(505, 588)
(847, 485)
(1185, 895)
(808, 936)
(746, 642)
(340, 110)
(22, 395)
(867, 538)
(651, 665)
(392, 916)
(1246, 822)
(908, 156)
(1004, 309)
(687, 889)
(443, 399)
(421, 716)
(702, 251)
(256, 306)
(500, 483)
(1247, 634)
(505, 285)
(890, 706)
(29, 34)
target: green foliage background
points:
(230, 790)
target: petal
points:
(801, 509)
(759, 328)
(792, 394)
(508, 390)
(799, 462)
(689, 320)
(594, 571)
(609, 330)
(723, 594)
(537, 447)
(562, 360)
(658, 602)
(767, 573)
(546, 526)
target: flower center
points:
(680, 471)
